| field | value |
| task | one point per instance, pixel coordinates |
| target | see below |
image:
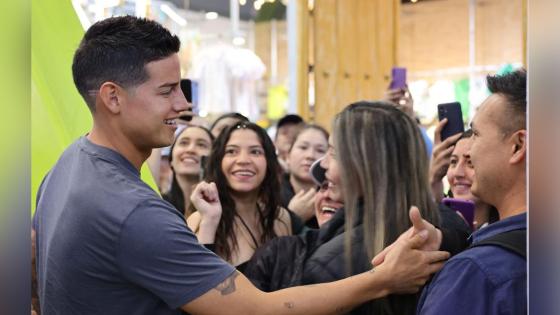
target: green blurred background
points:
(58, 113)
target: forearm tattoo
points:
(228, 285)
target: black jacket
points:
(318, 256)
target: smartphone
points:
(186, 87)
(398, 80)
(465, 207)
(203, 162)
(454, 115)
(317, 172)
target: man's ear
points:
(111, 95)
(518, 146)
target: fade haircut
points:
(513, 87)
(116, 50)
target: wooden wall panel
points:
(326, 65)
(367, 54)
(386, 24)
(435, 34)
(354, 49)
(499, 31)
(347, 52)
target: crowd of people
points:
(306, 222)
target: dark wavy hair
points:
(175, 194)
(117, 49)
(268, 195)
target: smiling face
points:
(325, 207)
(244, 162)
(490, 150)
(148, 111)
(190, 146)
(460, 173)
(332, 174)
(309, 146)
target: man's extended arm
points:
(404, 270)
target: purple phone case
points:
(398, 80)
(465, 207)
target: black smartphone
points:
(203, 162)
(454, 115)
(186, 87)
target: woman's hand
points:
(303, 204)
(402, 99)
(206, 200)
(441, 158)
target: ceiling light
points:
(173, 15)
(258, 4)
(242, 2)
(211, 15)
(238, 41)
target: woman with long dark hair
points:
(238, 204)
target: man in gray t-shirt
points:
(110, 233)
(108, 244)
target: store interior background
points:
(447, 46)
(270, 58)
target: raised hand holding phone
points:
(454, 115)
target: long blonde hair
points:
(384, 167)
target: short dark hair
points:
(117, 49)
(290, 119)
(512, 86)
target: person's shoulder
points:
(496, 264)
(284, 222)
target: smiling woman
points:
(238, 206)
(186, 155)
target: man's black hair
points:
(117, 49)
(290, 119)
(512, 86)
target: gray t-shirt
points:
(108, 244)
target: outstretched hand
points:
(432, 243)
(409, 266)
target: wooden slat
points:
(367, 53)
(326, 65)
(347, 52)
